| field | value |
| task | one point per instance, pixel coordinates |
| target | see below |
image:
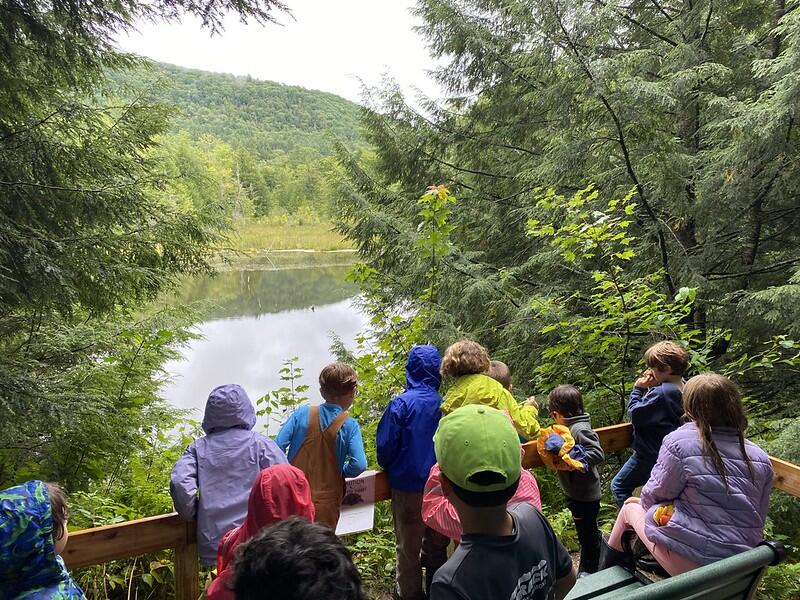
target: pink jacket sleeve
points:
(527, 491)
(439, 514)
(437, 511)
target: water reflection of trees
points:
(251, 293)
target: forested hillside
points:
(262, 116)
(259, 148)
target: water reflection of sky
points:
(250, 350)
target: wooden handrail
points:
(142, 536)
(612, 438)
(619, 437)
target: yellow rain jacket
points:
(561, 461)
(481, 389)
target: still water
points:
(257, 316)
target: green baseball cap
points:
(478, 439)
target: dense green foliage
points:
(88, 233)
(690, 105)
(263, 117)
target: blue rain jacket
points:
(350, 454)
(29, 566)
(405, 433)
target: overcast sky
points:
(327, 46)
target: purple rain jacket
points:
(709, 523)
(211, 482)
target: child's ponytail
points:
(712, 400)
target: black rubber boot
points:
(611, 557)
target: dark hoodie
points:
(210, 483)
(29, 566)
(584, 487)
(405, 433)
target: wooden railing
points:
(142, 536)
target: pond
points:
(259, 314)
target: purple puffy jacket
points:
(709, 523)
(211, 482)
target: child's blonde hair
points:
(711, 400)
(667, 355)
(499, 371)
(464, 358)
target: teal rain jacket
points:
(29, 566)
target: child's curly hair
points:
(464, 358)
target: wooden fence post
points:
(187, 567)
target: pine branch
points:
(662, 243)
(638, 24)
(760, 271)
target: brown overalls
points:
(317, 459)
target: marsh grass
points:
(258, 236)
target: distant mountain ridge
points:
(265, 117)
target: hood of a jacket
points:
(583, 418)
(228, 406)
(477, 389)
(279, 492)
(422, 367)
(27, 555)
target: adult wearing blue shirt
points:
(325, 442)
(405, 451)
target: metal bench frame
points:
(735, 578)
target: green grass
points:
(256, 237)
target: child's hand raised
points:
(647, 380)
(531, 401)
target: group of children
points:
(266, 510)
(705, 495)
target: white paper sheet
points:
(358, 505)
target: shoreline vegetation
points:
(258, 246)
(257, 237)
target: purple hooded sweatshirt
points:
(211, 481)
(709, 523)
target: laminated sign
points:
(358, 505)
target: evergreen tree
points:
(691, 105)
(86, 236)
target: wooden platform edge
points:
(141, 536)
